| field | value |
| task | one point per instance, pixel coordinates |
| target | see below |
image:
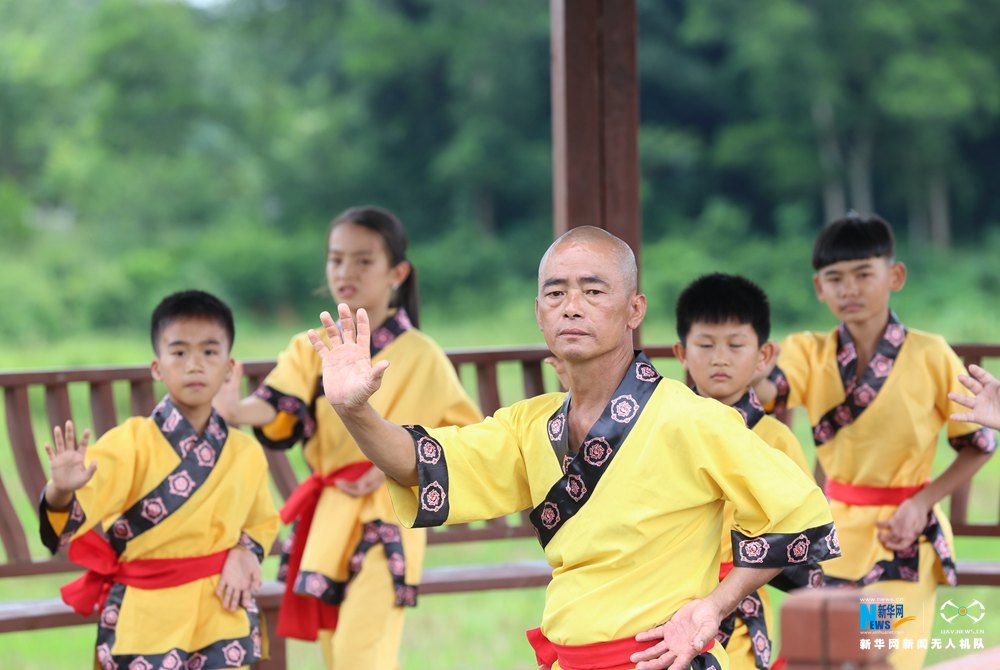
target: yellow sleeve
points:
(960, 433)
(263, 522)
(780, 517)
(440, 388)
(779, 436)
(466, 474)
(794, 364)
(290, 388)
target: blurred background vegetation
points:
(147, 146)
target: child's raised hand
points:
(67, 464)
(227, 398)
(985, 401)
(239, 579)
(903, 528)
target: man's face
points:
(585, 306)
(192, 360)
(722, 358)
(858, 291)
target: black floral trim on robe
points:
(861, 390)
(52, 540)
(984, 440)
(304, 413)
(751, 612)
(705, 661)
(333, 592)
(905, 564)
(228, 653)
(749, 408)
(782, 550)
(582, 472)
(432, 471)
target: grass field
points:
(484, 630)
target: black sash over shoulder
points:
(583, 471)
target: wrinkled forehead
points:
(573, 259)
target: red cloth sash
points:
(300, 616)
(611, 655)
(724, 569)
(853, 494)
(93, 552)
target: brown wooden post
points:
(595, 117)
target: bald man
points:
(626, 476)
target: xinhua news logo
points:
(881, 616)
(975, 611)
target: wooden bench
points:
(111, 393)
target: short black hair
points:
(191, 304)
(854, 238)
(719, 298)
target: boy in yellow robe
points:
(171, 514)
(723, 322)
(876, 393)
(627, 475)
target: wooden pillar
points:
(595, 117)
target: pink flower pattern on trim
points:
(895, 334)
(172, 661)
(556, 426)
(315, 585)
(763, 647)
(234, 653)
(823, 431)
(187, 444)
(181, 484)
(550, 515)
(432, 497)
(387, 532)
(121, 529)
(624, 408)
(140, 663)
(881, 365)
(798, 549)
(833, 542)
(397, 565)
(846, 354)
(196, 661)
(754, 550)
(864, 395)
(428, 450)
(205, 455)
(109, 617)
(575, 487)
(645, 372)
(172, 421)
(750, 607)
(596, 451)
(842, 415)
(104, 657)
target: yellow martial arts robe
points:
(163, 492)
(750, 647)
(630, 523)
(420, 386)
(879, 428)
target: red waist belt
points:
(93, 552)
(724, 569)
(611, 655)
(300, 616)
(853, 494)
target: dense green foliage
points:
(149, 145)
